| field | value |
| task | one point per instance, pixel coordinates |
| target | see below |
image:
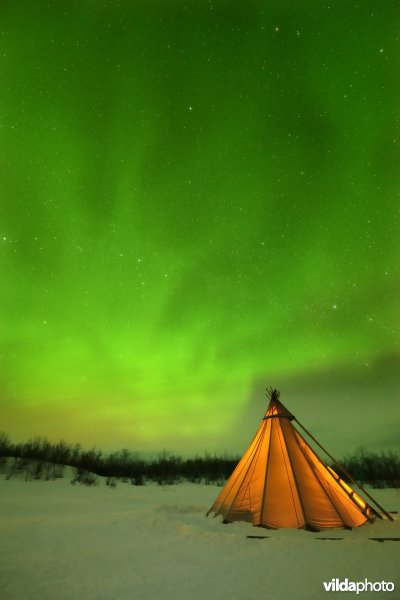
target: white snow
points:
(63, 541)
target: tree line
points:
(41, 458)
(122, 464)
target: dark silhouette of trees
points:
(38, 458)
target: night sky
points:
(199, 199)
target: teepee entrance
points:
(281, 482)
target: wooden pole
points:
(344, 471)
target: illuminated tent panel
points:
(281, 482)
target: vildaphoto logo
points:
(335, 585)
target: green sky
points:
(199, 199)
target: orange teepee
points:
(281, 482)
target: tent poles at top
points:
(344, 471)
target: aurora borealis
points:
(199, 199)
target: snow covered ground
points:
(63, 541)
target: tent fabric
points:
(281, 482)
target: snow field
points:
(70, 542)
